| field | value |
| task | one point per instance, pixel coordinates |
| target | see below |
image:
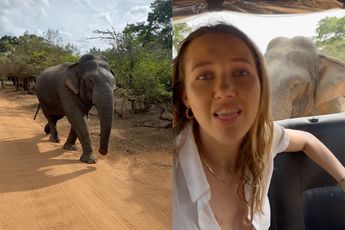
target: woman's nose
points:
(224, 87)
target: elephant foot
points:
(55, 139)
(103, 151)
(69, 146)
(88, 158)
(47, 129)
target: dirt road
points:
(43, 186)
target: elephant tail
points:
(38, 108)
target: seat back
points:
(295, 173)
(324, 208)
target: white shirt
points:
(191, 191)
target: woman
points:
(225, 136)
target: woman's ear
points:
(185, 99)
(72, 80)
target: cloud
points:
(139, 10)
(106, 16)
(18, 16)
(74, 19)
(41, 13)
(137, 13)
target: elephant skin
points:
(70, 90)
(303, 82)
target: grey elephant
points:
(72, 89)
(303, 81)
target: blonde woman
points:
(225, 137)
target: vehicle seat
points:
(295, 173)
(324, 208)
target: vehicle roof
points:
(188, 8)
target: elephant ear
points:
(72, 80)
(331, 80)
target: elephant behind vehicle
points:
(72, 89)
(303, 82)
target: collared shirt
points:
(191, 191)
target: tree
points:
(158, 29)
(180, 31)
(331, 36)
(28, 55)
(141, 58)
(8, 43)
(95, 50)
(53, 37)
(6, 68)
(160, 21)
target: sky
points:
(263, 28)
(74, 19)
(77, 19)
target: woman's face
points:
(222, 86)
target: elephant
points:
(71, 89)
(303, 82)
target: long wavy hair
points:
(256, 144)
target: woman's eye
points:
(241, 73)
(204, 77)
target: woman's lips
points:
(227, 114)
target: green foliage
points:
(6, 67)
(331, 36)
(180, 31)
(95, 51)
(141, 58)
(160, 21)
(8, 43)
(29, 54)
(151, 82)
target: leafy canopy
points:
(331, 36)
(141, 58)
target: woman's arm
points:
(317, 151)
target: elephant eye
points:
(295, 85)
(90, 81)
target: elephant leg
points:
(88, 158)
(54, 136)
(79, 125)
(50, 127)
(70, 142)
(47, 129)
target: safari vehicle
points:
(302, 195)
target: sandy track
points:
(43, 186)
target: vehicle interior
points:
(188, 8)
(302, 195)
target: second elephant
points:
(72, 89)
(303, 82)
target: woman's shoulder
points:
(184, 134)
(280, 139)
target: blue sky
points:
(74, 19)
(263, 28)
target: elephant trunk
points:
(105, 108)
(281, 106)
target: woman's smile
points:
(227, 115)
